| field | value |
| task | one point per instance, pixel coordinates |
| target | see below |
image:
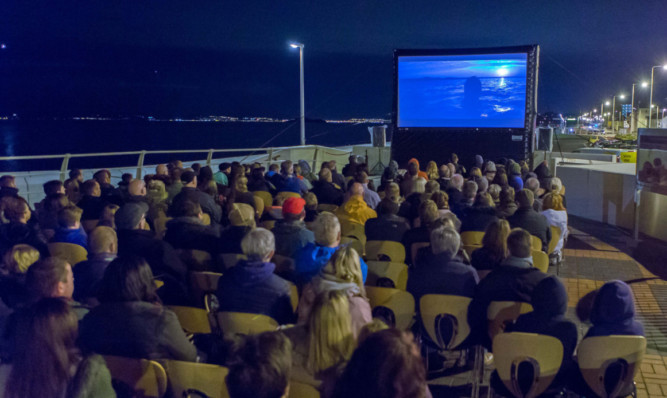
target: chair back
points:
(140, 377)
(598, 355)
(192, 378)
(540, 260)
(472, 238)
(201, 284)
(69, 252)
(387, 274)
(206, 219)
(397, 307)
(445, 319)
(293, 295)
(266, 197)
(233, 323)
(535, 243)
(354, 243)
(285, 194)
(555, 237)
(527, 357)
(160, 225)
(259, 206)
(352, 229)
(196, 260)
(193, 320)
(268, 224)
(385, 250)
(500, 313)
(414, 249)
(327, 207)
(302, 390)
(231, 259)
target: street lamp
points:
(301, 92)
(650, 101)
(633, 119)
(613, 111)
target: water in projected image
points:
(462, 91)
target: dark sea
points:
(49, 137)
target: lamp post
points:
(301, 92)
(604, 114)
(613, 111)
(650, 101)
(633, 118)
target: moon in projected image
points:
(502, 72)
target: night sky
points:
(171, 58)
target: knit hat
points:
(293, 205)
(129, 215)
(187, 176)
(490, 167)
(242, 215)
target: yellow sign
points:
(628, 157)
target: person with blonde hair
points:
(494, 247)
(432, 171)
(342, 272)
(156, 196)
(556, 214)
(12, 274)
(324, 344)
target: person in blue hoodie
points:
(614, 311)
(251, 286)
(314, 256)
(69, 227)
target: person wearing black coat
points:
(326, 191)
(187, 231)
(480, 215)
(387, 225)
(190, 192)
(530, 220)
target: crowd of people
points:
(57, 318)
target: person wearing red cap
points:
(291, 233)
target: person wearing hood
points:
(306, 172)
(314, 256)
(543, 174)
(489, 171)
(251, 286)
(389, 175)
(514, 280)
(420, 173)
(290, 233)
(514, 177)
(479, 162)
(614, 312)
(480, 215)
(355, 208)
(17, 230)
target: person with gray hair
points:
(440, 272)
(533, 184)
(251, 285)
(454, 191)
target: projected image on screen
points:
(487, 90)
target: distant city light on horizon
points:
(3, 46)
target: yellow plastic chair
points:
(193, 320)
(596, 354)
(160, 225)
(196, 260)
(386, 274)
(353, 229)
(293, 295)
(535, 243)
(543, 353)
(195, 377)
(401, 304)
(540, 260)
(266, 197)
(285, 194)
(202, 284)
(206, 219)
(144, 377)
(555, 236)
(268, 224)
(302, 390)
(472, 238)
(440, 310)
(500, 313)
(89, 225)
(414, 249)
(231, 259)
(327, 207)
(234, 323)
(69, 252)
(355, 243)
(385, 250)
(259, 206)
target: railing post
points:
(140, 164)
(64, 166)
(209, 157)
(270, 159)
(314, 164)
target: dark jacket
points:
(190, 233)
(327, 193)
(338, 179)
(13, 291)
(14, 233)
(259, 184)
(159, 254)
(291, 236)
(507, 210)
(415, 235)
(533, 222)
(477, 218)
(92, 207)
(135, 329)
(73, 236)
(455, 198)
(614, 311)
(386, 227)
(251, 286)
(483, 259)
(439, 274)
(205, 200)
(230, 239)
(9, 192)
(89, 273)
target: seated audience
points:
(514, 177)
(221, 176)
(260, 367)
(156, 197)
(8, 187)
(257, 182)
(480, 215)
(440, 272)
(530, 220)
(12, 274)
(342, 272)
(336, 177)
(490, 171)
(355, 208)
(326, 191)
(91, 202)
(136, 191)
(18, 230)
(432, 171)
(187, 230)
(514, 280)
(53, 187)
(107, 191)
(533, 184)
(46, 360)
(291, 233)
(286, 181)
(506, 202)
(613, 311)
(53, 277)
(251, 286)
(190, 192)
(494, 247)
(102, 249)
(175, 185)
(386, 364)
(428, 214)
(469, 192)
(69, 227)
(130, 320)
(242, 219)
(388, 225)
(494, 191)
(370, 196)
(557, 187)
(454, 192)
(442, 201)
(47, 217)
(311, 207)
(556, 215)
(314, 256)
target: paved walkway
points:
(588, 263)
